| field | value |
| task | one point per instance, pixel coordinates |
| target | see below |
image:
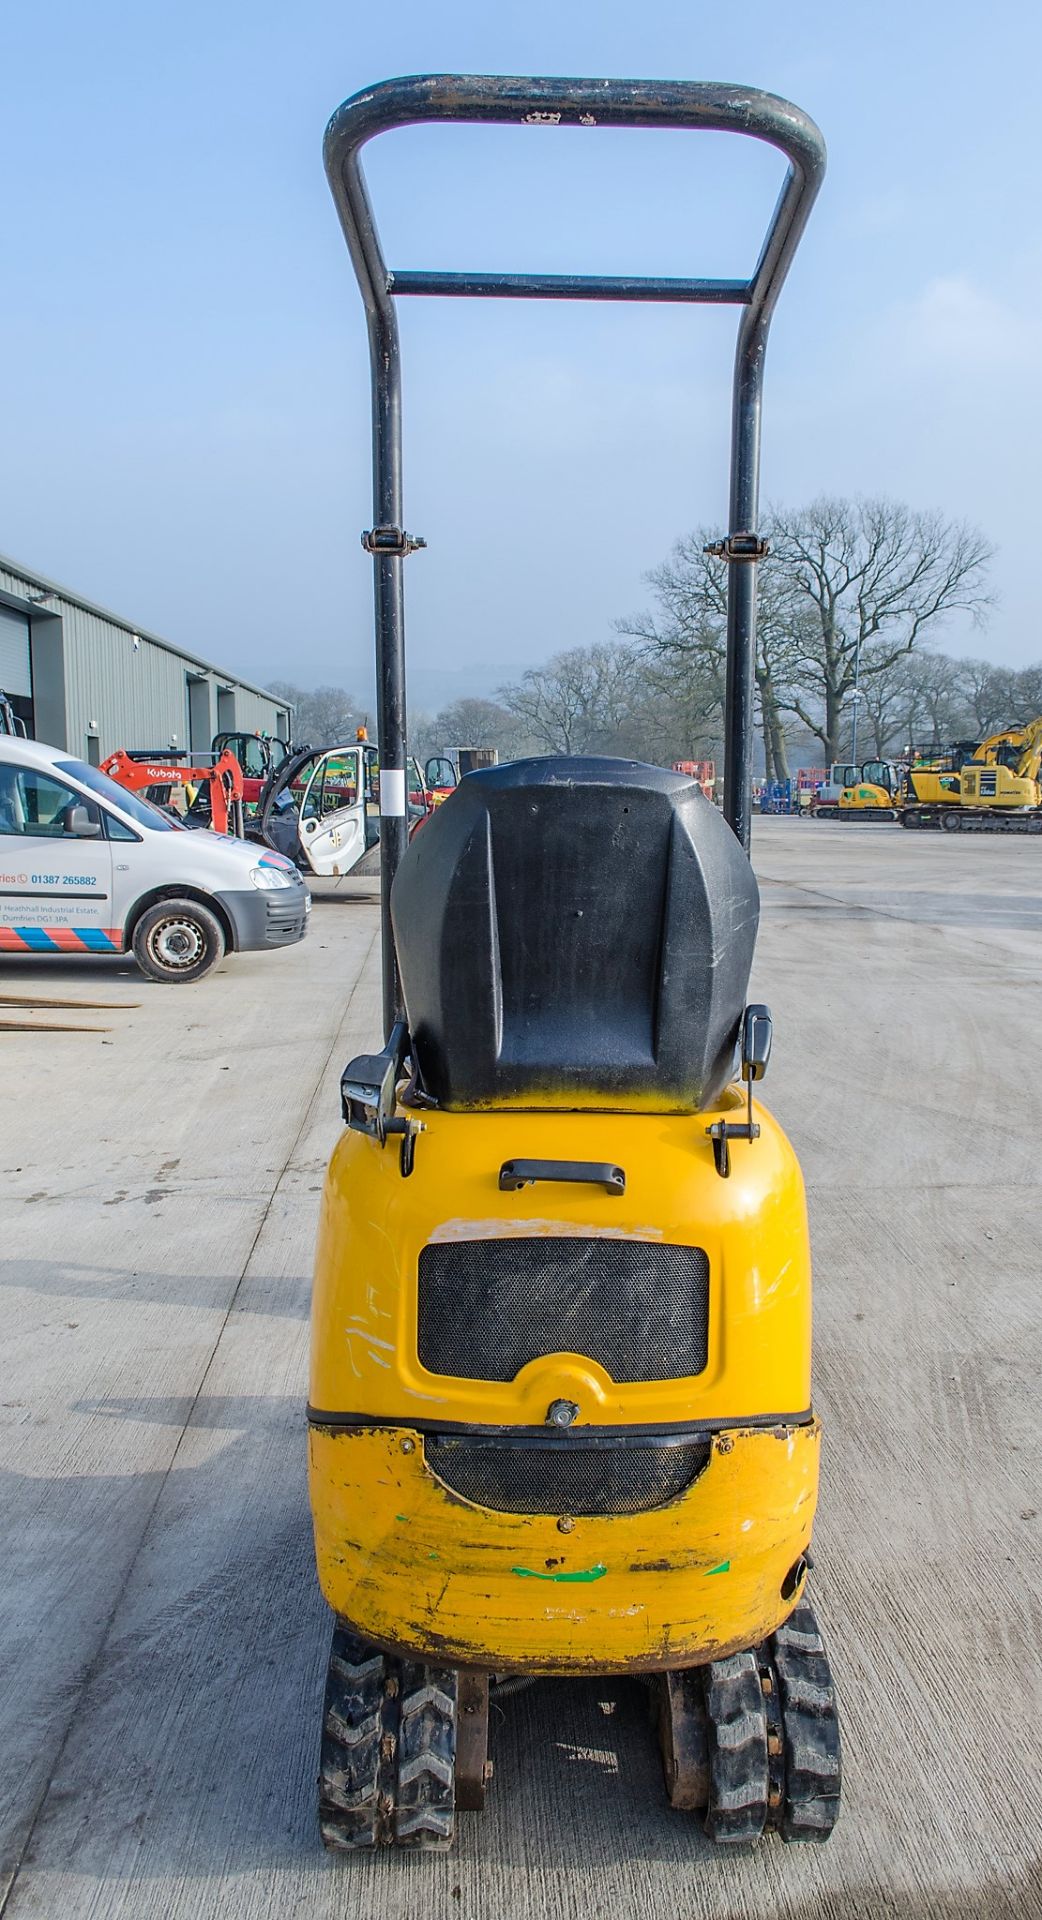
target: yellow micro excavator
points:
(560, 1400)
(994, 789)
(852, 792)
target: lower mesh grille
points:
(488, 1307)
(566, 1476)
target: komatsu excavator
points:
(994, 789)
(560, 1405)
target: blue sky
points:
(184, 426)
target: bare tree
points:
(688, 634)
(669, 719)
(867, 581)
(884, 708)
(617, 699)
(987, 692)
(1026, 693)
(582, 701)
(471, 722)
(323, 716)
(931, 700)
(932, 709)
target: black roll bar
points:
(551, 103)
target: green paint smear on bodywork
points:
(588, 1574)
(724, 1567)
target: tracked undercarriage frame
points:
(749, 1743)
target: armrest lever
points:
(367, 1085)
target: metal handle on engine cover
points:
(594, 1173)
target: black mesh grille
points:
(567, 1477)
(487, 1307)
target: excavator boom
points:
(223, 778)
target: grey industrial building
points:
(89, 681)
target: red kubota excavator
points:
(222, 782)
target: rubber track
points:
(737, 1739)
(813, 1762)
(997, 822)
(388, 1757)
(349, 1812)
(425, 1814)
(953, 821)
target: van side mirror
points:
(81, 826)
(757, 1034)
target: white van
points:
(86, 867)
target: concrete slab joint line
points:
(93, 1666)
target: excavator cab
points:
(258, 754)
(873, 791)
(560, 1415)
(320, 807)
(441, 777)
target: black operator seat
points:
(575, 932)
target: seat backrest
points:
(575, 932)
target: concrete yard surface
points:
(162, 1639)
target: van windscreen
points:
(135, 808)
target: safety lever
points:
(368, 1088)
(757, 1034)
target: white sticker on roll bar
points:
(392, 793)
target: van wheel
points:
(178, 940)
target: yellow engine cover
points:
(408, 1561)
(866, 798)
(412, 1566)
(997, 786)
(934, 786)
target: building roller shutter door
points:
(14, 653)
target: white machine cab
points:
(86, 867)
(321, 807)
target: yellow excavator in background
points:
(867, 792)
(994, 789)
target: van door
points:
(55, 873)
(332, 813)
